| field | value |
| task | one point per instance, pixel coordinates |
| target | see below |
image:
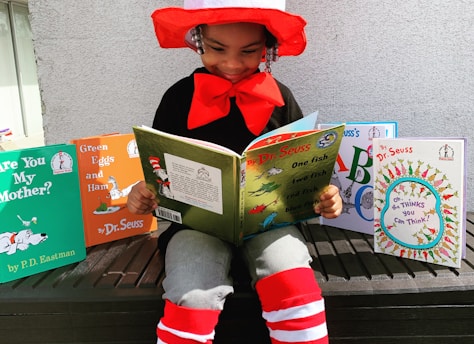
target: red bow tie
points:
(255, 96)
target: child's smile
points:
(233, 51)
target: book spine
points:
(240, 192)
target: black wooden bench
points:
(114, 296)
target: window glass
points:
(20, 103)
(28, 76)
(10, 109)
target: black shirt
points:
(229, 131)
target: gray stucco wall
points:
(101, 70)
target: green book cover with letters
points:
(41, 212)
(274, 183)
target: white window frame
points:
(22, 113)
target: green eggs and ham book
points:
(109, 166)
(41, 212)
(419, 199)
(274, 183)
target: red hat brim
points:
(173, 23)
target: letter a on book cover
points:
(353, 174)
(109, 166)
(419, 199)
(40, 208)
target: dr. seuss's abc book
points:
(274, 183)
(40, 208)
(353, 174)
(419, 199)
(109, 166)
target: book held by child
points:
(275, 182)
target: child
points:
(231, 39)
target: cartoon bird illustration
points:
(116, 192)
(27, 223)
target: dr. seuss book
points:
(109, 166)
(274, 183)
(40, 208)
(353, 174)
(419, 199)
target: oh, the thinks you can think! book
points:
(419, 199)
(40, 208)
(274, 183)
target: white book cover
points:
(353, 174)
(419, 199)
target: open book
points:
(274, 183)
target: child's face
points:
(233, 51)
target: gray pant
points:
(197, 265)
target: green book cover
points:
(274, 183)
(41, 212)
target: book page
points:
(306, 123)
(194, 183)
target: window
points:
(20, 103)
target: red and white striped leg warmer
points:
(183, 325)
(293, 307)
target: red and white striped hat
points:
(172, 24)
(154, 162)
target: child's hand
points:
(330, 203)
(141, 200)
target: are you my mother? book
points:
(40, 208)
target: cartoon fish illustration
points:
(260, 208)
(446, 253)
(268, 221)
(425, 173)
(274, 171)
(417, 171)
(397, 170)
(265, 188)
(270, 172)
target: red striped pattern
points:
(293, 307)
(183, 325)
